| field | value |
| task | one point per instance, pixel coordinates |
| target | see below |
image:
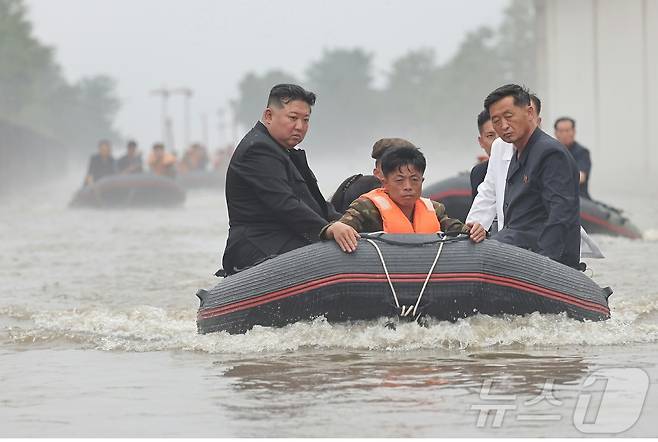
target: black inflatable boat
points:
(132, 190)
(202, 179)
(595, 217)
(409, 276)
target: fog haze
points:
(209, 45)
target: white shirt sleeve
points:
(483, 209)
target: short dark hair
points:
(158, 146)
(132, 143)
(393, 159)
(282, 94)
(101, 142)
(384, 144)
(537, 102)
(561, 119)
(520, 94)
(483, 117)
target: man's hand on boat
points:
(476, 232)
(344, 235)
(347, 237)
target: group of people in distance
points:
(275, 204)
(160, 162)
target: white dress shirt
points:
(488, 203)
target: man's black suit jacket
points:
(274, 202)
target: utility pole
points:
(187, 95)
(221, 115)
(166, 132)
(204, 130)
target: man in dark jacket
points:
(541, 204)
(131, 162)
(274, 202)
(101, 164)
(565, 132)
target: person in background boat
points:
(565, 132)
(486, 137)
(194, 159)
(356, 185)
(161, 162)
(397, 206)
(274, 202)
(131, 162)
(101, 164)
(541, 204)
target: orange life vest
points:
(425, 219)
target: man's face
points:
(105, 150)
(511, 122)
(404, 185)
(158, 152)
(288, 125)
(132, 148)
(487, 137)
(565, 133)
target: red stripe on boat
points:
(613, 227)
(368, 277)
(450, 193)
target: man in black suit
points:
(565, 132)
(541, 204)
(274, 202)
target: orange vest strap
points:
(425, 219)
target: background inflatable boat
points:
(430, 277)
(595, 217)
(202, 179)
(133, 190)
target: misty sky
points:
(208, 45)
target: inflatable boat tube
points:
(132, 190)
(202, 179)
(385, 277)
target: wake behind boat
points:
(389, 275)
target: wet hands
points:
(476, 232)
(344, 235)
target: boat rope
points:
(436, 259)
(404, 310)
(388, 277)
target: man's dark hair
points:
(520, 94)
(537, 103)
(483, 117)
(394, 159)
(384, 144)
(158, 146)
(101, 142)
(561, 119)
(132, 143)
(282, 94)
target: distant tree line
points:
(35, 95)
(431, 103)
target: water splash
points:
(146, 328)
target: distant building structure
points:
(598, 63)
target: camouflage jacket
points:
(364, 217)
